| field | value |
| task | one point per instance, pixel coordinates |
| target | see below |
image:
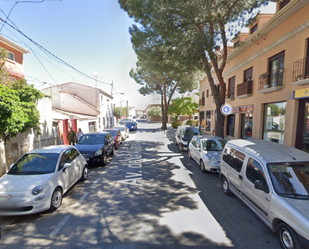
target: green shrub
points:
(175, 124)
(192, 122)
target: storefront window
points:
(274, 122)
(246, 128)
(230, 125)
(207, 123)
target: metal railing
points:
(202, 102)
(301, 69)
(244, 88)
(267, 80)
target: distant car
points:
(39, 179)
(132, 126)
(124, 131)
(96, 147)
(116, 135)
(206, 151)
(183, 136)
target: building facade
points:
(267, 80)
(79, 106)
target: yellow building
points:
(267, 79)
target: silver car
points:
(206, 151)
(273, 181)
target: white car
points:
(39, 179)
(124, 131)
(206, 151)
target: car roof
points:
(52, 149)
(97, 133)
(269, 151)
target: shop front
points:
(302, 130)
(246, 120)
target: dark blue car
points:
(96, 147)
(132, 126)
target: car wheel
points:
(85, 174)
(189, 154)
(56, 199)
(180, 147)
(104, 159)
(202, 166)
(288, 237)
(225, 186)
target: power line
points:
(50, 53)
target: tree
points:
(157, 71)
(182, 106)
(18, 112)
(154, 112)
(194, 29)
(119, 111)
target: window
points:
(11, 56)
(64, 159)
(276, 67)
(255, 171)
(207, 93)
(233, 158)
(231, 90)
(207, 122)
(274, 122)
(253, 29)
(248, 74)
(203, 95)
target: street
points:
(149, 195)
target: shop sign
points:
(302, 93)
(243, 109)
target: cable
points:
(50, 53)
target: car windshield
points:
(213, 145)
(120, 128)
(290, 179)
(92, 139)
(35, 164)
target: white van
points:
(273, 181)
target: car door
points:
(196, 148)
(76, 164)
(257, 199)
(65, 176)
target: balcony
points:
(244, 89)
(202, 102)
(269, 83)
(301, 72)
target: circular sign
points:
(226, 109)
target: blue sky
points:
(90, 35)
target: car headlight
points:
(98, 153)
(36, 190)
(213, 160)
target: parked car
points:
(96, 147)
(183, 136)
(122, 122)
(273, 181)
(132, 126)
(124, 131)
(116, 135)
(206, 151)
(39, 179)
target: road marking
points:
(95, 182)
(60, 225)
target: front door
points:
(302, 133)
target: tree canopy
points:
(18, 112)
(182, 106)
(190, 31)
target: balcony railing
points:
(267, 80)
(230, 96)
(244, 88)
(301, 69)
(201, 102)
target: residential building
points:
(267, 80)
(79, 106)
(14, 63)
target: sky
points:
(89, 35)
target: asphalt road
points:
(149, 195)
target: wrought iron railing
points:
(202, 102)
(301, 69)
(271, 79)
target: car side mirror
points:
(258, 184)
